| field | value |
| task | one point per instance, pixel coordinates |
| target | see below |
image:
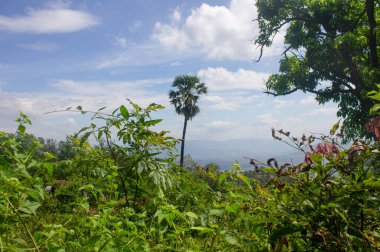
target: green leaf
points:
(222, 178)
(334, 128)
(49, 168)
(192, 215)
(269, 170)
(34, 194)
(372, 184)
(29, 207)
(202, 229)
(84, 137)
(124, 112)
(355, 231)
(341, 215)
(285, 198)
(230, 239)
(374, 95)
(85, 205)
(92, 241)
(217, 212)
(245, 179)
(100, 134)
(233, 208)
(291, 229)
(374, 109)
(316, 158)
(152, 122)
(154, 154)
(21, 129)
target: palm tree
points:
(184, 98)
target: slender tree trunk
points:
(370, 8)
(183, 140)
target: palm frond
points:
(186, 94)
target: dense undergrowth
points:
(124, 195)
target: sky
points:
(94, 53)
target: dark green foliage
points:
(331, 51)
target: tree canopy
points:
(185, 95)
(332, 51)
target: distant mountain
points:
(224, 153)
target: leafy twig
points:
(23, 223)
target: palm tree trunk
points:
(183, 141)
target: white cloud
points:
(40, 46)
(322, 111)
(96, 94)
(121, 42)
(58, 19)
(219, 124)
(176, 63)
(221, 79)
(309, 100)
(171, 37)
(70, 121)
(214, 32)
(220, 103)
(280, 103)
(245, 112)
(176, 16)
(136, 25)
(136, 55)
(91, 95)
(219, 32)
(267, 119)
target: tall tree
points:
(184, 97)
(332, 51)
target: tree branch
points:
(342, 80)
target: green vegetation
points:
(332, 51)
(127, 193)
(184, 98)
(122, 195)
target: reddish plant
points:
(373, 126)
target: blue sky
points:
(57, 54)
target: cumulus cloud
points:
(57, 19)
(209, 31)
(176, 16)
(220, 103)
(218, 32)
(221, 79)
